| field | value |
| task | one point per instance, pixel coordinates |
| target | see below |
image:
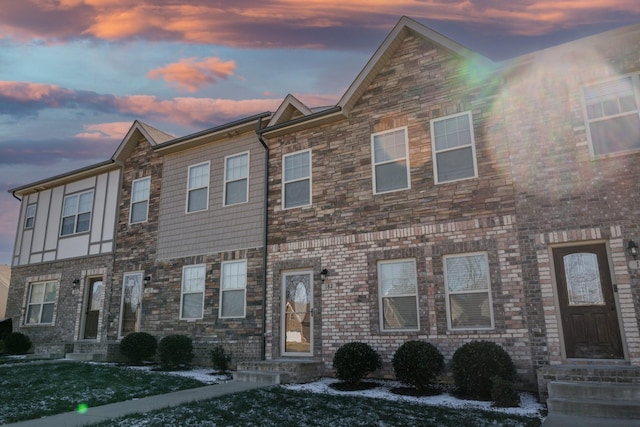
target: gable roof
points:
(290, 108)
(139, 129)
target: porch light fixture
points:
(632, 247)
(76, 282)
(147, 281)
(323, 274)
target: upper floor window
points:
(454, 155)
(76, 213)
(236, 179)
(198, 187)
(468, 291)
(139, 200)
(296, 187)
(30, 217)
(193, 278)
(390, 154)
(398, 294)
(613, 116)
(233, 289)
(42, 297)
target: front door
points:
(131, 300)
(92, 304)
(587, 305)
(297, 306)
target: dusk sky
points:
(74, 74)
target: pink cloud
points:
(191, 74)
(24, 91)
(107, 131)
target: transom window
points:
(42, 297)
(398, 294)
(198, 187)
(233, 289)
(454, 156)
(193, 278)
(297, 179)
(76, 213)
(139, 200)
(468, 291)
(390, 150)
(612, 115)
(236, 179)
(30, 217)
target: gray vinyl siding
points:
(219, 228)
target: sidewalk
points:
(145, 404)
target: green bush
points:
(138, 346)
(17, 343)
(475, 363)
(354, 360)
(176, 352)
(220, 359)
(503, 394)
(417, 363)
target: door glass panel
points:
(297, 311)
(96, 292)
(131, 293)
(583, 279)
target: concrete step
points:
(86, 357)
(261, 377)
(594, 408)
(593, 390)
(559, 420)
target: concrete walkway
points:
(560, 420)
(145, 404)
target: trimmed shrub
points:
(220, 359)
(17, 343)
(503, 394)
(475, 363)
(417, 363)
(354, 360)
(138, 346)
(176, 352)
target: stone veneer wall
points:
(67, 321)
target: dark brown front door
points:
(94, 293)
(587, 305)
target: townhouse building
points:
(445, 197)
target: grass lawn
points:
(277, 406)
(30, 390)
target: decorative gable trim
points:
(288, 109)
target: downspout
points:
(265, 211)
(13, 193)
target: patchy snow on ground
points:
(205, 375)
(528, 404)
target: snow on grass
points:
(528, 404)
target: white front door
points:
(297, 313)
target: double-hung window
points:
(42, 297)
(236, 179)
(139, 200)
(613, 116)
(296, 187)
(468, 291)
(390, 157)
(76, 213)
(454, 153)
(192, 305)
(233, 289)
(198, 187)
(30, 217)
(398, 294)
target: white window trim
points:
(406, 158)
(224, 185)
(244, 309)
(434, 152)
(146, 217)
(299, 179)
(26, 216)
(29, 304)
(447, 293)
(635, 82)
(186, 205)
(75, 223)
(380, 297)
(182, 292)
